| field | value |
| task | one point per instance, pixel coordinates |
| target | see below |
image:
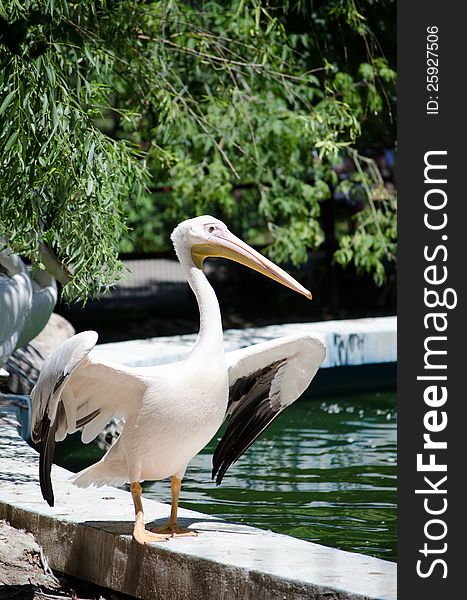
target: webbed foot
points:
(143, 536)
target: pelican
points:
(172, 411)
(27, 299)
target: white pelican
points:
(172, 411)
(27, 299)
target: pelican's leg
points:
(172, 527)
(140, 533)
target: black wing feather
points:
(46, 455)
(47, 449)
(251, 411)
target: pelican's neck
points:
(210, 322)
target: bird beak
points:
(227, 245)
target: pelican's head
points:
(206, 237)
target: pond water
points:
(325, 471)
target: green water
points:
(325, 471)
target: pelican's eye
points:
(211, 228)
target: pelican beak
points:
(226, 245)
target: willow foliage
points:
(117, 113)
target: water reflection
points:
(324, 471)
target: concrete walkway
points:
(88, 535)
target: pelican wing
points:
(15, 301)
(76, 391)
(264, 379)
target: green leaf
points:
(11, 140)
(7, 101)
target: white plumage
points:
(27, 300)
(171, 412)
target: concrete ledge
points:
(348, 342)
(88, 535)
